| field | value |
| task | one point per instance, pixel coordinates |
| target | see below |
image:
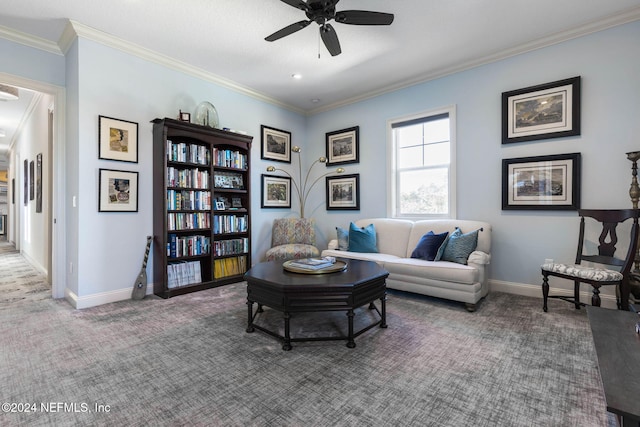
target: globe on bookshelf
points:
(206, 115)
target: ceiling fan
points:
(323, 11)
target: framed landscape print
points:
(39, 183)
(117, 140)
(25, 187)
(343, 146)
(543, 182)
(118, 191)
(550, 110)
(32, 179)
(276, 144)
(276, 191)
(343, 192)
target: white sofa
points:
(396, 240)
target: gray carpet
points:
(189, 361)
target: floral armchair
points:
(293, 238)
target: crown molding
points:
(622, 18)
(75, 29)
(29, 40)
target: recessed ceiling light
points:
(315, 100)
(296, 76)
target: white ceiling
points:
(428, 39)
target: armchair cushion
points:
(292, 238)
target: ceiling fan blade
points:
(298, 4)
(363, 17)
(330, 39)
(290, 29)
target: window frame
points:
(392, 170)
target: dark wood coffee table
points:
(361, 283)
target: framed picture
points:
(184, 117)
(220, 206)
(26, 182)
(343, 146)
(276, 191)
(550, 110)
(32, 178)
(343, 192)
(118, 140)
(39, 183)
(118, 191)
(276, 144)
(2, 226)
(543, 182)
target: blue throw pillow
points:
(343, 239)
(428, 246)
(362, 239)
(460, 246)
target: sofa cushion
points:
(428, 245)
(432, 270)
(362, 239)
(343, 238)
(459, 246)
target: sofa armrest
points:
(333, 244)
(479, 257)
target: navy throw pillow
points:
(428, 246)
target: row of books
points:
(187, 178)
(188, 200)
(188, 220)
(229, 158)
(230, 223)
(231, 246)
(188, 153)
(180, 246)
(183, 273)
(229, 266)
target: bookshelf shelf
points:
(201, 205)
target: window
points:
(422, 164)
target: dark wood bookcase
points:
(201, 207)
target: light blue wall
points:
(115, 84)
(609, 63)
(107, 248)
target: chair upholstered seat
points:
(293, 238)
(583, 272)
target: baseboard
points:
(34, 263)
(607, 301)
(101, 298)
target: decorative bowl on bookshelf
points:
(207, 115)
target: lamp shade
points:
(9, 93)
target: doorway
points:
(52, 182)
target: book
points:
(311, 263)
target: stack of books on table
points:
(312, 263)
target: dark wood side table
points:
(618, 348)
(361, 283)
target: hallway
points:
(19, 280)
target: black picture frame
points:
(117, 139)
(541, 182)
(117, 191)
(32, 179)
(343, 146)
(550, 110)
(39, 183)
(343, 192)
(276, 144)
(276, 192)
(26, 182)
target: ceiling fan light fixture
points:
(8, 93)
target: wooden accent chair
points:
(608, 220)
(293, 238)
